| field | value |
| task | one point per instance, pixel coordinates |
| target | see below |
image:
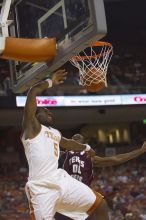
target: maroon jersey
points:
(79, 166)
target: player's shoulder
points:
(54, 130)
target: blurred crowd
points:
(5, 79)
(13, 202)
(126, 74)
(124, 188)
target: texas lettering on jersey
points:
(52, 136)
(79, 166)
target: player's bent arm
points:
(30, 107)
(31, 104)
(118, 159)
(70, 144)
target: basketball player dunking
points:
(50, 189)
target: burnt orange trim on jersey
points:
(97, 202)
(32, 216)
(31, 206)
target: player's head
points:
(79, 138)
(44, 116)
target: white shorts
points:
(61, 193)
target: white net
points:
(93, 65)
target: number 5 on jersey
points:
(56, 153)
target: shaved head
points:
(44, 116)
(78, 137)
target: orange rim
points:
(100, 43)
(94, 44)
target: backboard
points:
(74, 24)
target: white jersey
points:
(42, 152)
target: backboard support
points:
(74, 24)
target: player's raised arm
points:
(118, 159)
(29, 118)
(70, 144)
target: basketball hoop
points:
(93, 64)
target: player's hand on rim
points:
(59, 77)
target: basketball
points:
(93, 81)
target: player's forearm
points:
(70, 144)
(116, 160)
(76, 146)
(121, 158)
(38, 88)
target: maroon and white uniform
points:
(79, 166)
